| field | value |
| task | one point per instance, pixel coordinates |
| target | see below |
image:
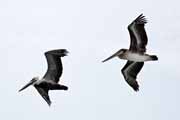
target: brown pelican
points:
(51, 78)
(136, 54)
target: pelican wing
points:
(130, 72)
(55, 67)
(44, 93)
(138, 35)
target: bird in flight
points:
(136, 54)
(51, 77)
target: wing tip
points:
(49, 103)
(135, 86)
(136, 89)
(59, 52)
(141, 19)
(65, 52)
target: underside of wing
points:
(55, 67)
(130, 72)
(138, 34)
(44, 93)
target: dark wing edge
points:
(55, 67)
(44, 94)
(138, 34)
(130, 72)
(58, 52)
(141, 19)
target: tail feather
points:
(154, 57)
(57, 87)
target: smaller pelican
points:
(51, 78)
(136, 54)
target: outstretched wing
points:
(138, 34)
(55, 67)
(130, 72)
(44, 93)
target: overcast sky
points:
(90, 30)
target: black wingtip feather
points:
(135, 86)
(49, 104)
(141, 19)
(64, 52)
(58, 52)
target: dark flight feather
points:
(55, 67)
(130, 72)
(138, 35)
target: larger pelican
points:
(136, 54)
(51, 78)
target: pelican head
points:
(30, 83)
(121, 51)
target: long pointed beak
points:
(112, 56)
(27, 85)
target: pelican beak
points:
(27, 85)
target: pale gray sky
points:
(91, 31)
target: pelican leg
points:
(58, 87)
